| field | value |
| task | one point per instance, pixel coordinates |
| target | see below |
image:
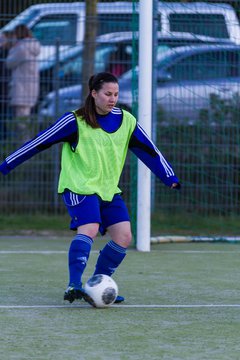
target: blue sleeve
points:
(63, 130)
(141, 145)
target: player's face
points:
(106, 98)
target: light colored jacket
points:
(23, 62)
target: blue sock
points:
(110, 258)
(77, 258)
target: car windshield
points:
(162, 50)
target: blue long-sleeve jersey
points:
(65, 130)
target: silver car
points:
(188, 79)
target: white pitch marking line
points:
(47, 252)
(52, 252)
(122, 306)
(40, 252)
(199, 251)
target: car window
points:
(108, 23)
(103, 56)
(116, 58)
(233, 59)
(203, 24)
(51, 27)
(204, 66)
(71, 70)
(120, 59)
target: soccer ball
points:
(102, 289)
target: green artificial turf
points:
(182, 303)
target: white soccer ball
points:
(102, 289)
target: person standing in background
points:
(22, 60)
(6, 42)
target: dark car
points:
(114, 53)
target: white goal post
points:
(144, 118)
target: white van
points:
(66, 21)
(209, 19)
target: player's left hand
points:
(176, 186)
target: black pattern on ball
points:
(95, 280)
(109, 295)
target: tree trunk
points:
(89, 45)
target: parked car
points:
(186, 78)
(66, 21)
(114, 53)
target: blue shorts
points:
(87, 209)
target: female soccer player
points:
(96, 139)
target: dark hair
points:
(22, 32)
(88, 111)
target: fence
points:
(195, 101)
